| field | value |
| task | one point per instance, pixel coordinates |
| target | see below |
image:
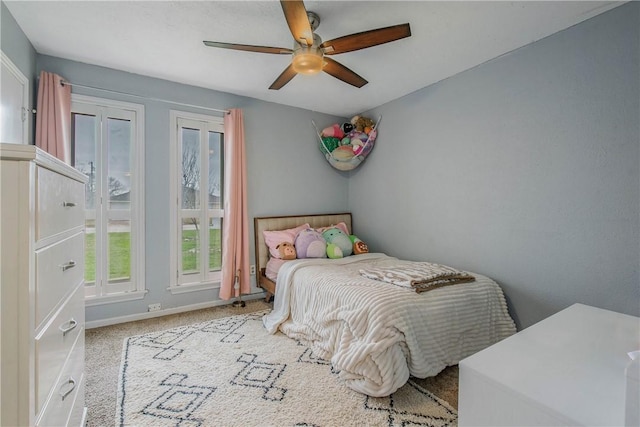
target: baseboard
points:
(164, 312)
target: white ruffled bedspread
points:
(377, 334)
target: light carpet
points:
(231, 372)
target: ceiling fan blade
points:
(250, 48)
(366, 39)
(343, 73)
(296, 16)
(283, 78)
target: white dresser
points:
(568, 369)
(42, 289)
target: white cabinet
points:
(568, 369)
(42, 289)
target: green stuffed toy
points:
(334, 251)
(330, 144)
(337, 239)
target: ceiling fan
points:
(310, 52)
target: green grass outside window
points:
(120, 254)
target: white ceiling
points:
(164, 39)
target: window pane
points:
(84, 134)
(119, 241)
(215, 244)
(104, 147)
(90, 252)
(215, 170)
(119, 163)
(190, 168)
(190, 246)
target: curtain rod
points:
(64, 82)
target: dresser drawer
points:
(60, 405)
(59, 268)
(54, 343)
(78, 415)
(60, 203)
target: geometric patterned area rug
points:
(231, 372)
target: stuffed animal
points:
(359, 247)
(286, 250)
(330, 143)
(343, 153)
(356, 135)
(347, 127)
(361, 124)
(310, 244)
(366, 149)
(333, 131)
(338, 238)
(334, 251)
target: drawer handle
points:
(68, 204)
(66, 393)
(65, 328)
(68, 265)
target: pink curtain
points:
(53, 117)
(235, 233)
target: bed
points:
(376, 334)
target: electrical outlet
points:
(155, 307)
(252, 270)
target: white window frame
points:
(104, 292)
(180, 283)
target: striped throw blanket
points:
(420, 276)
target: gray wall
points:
(18, 48)
(284, 165)
(525, 169)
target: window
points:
(108, 143)
(197, 215)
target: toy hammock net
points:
(348, 152)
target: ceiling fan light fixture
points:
(307, 63)
(308, 59)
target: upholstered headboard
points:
(261, 224)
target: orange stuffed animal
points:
(359, 247)
(287, 250)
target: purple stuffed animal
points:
(310, 244)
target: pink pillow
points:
(341, 225)
(274, 238)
